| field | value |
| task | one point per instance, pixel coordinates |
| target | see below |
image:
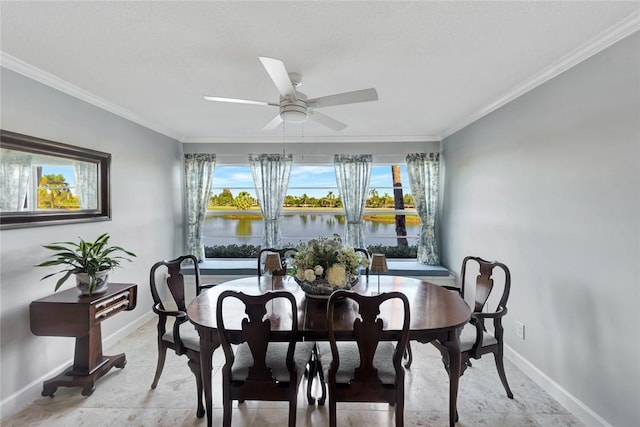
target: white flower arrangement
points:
(309, 275)
(327, 262)
(336, 275)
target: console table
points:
(69, 314)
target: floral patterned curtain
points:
(271, 178)
(86, 177)
(424, 175)
(198, 172)
(353, 175)
(15, 178)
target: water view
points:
(220, 229)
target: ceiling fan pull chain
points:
(302, 140)
(284, 125)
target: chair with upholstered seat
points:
(361, 363)
(182, 336)
(267, 364)
(284, 253)
(476, 340)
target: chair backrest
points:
(284, 252)
(368, 330)
(175, 280)
(484, 282)
(367, 258)
(256, 332)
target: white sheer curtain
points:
(85, 175)
(271, 178)
(424, 176)
(15, 179)
(353, 175)
(198, 171)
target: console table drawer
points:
(111, 306)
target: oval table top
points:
(434, 310)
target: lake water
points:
(297, 228)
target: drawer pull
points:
(106, 312)
(106, 302)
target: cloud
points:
(232, 176)
(305, 179)
(312, 170)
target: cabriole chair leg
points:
(162, 356)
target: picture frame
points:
(24, 205)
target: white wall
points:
(146, 197)
(550, 185)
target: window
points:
(312, 208)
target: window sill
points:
(248, 266)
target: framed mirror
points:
(44, 182)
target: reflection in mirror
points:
(44, 182)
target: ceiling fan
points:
(294, 105)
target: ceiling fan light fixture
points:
(295, 112)
(294, 106)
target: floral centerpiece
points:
(324, 264)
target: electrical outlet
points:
(520, 329)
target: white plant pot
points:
(83, 282)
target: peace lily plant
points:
(94, 259)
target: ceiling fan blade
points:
(354, 97)
(238, 101)
(278, 73)
(326, 120)
(273, 123)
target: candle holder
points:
(378, 265)
(272, 263)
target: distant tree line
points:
(244, 200)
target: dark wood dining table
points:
(436, 314)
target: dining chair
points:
(362, 364)
(284, 253)
(475, 339)
(267, 365)
(182, 336)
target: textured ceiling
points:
(437, 66)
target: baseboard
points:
(26, 395)
(566, 399)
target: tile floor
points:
(123, 397)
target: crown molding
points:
(14, 64)
(613, 34)
(334, 139)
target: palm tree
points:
(330, 199)
(398, 204)
(53, 190)
(372, 201)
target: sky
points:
(65, 171)
(304, 179)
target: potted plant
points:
(91, 262)
(324, 264)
